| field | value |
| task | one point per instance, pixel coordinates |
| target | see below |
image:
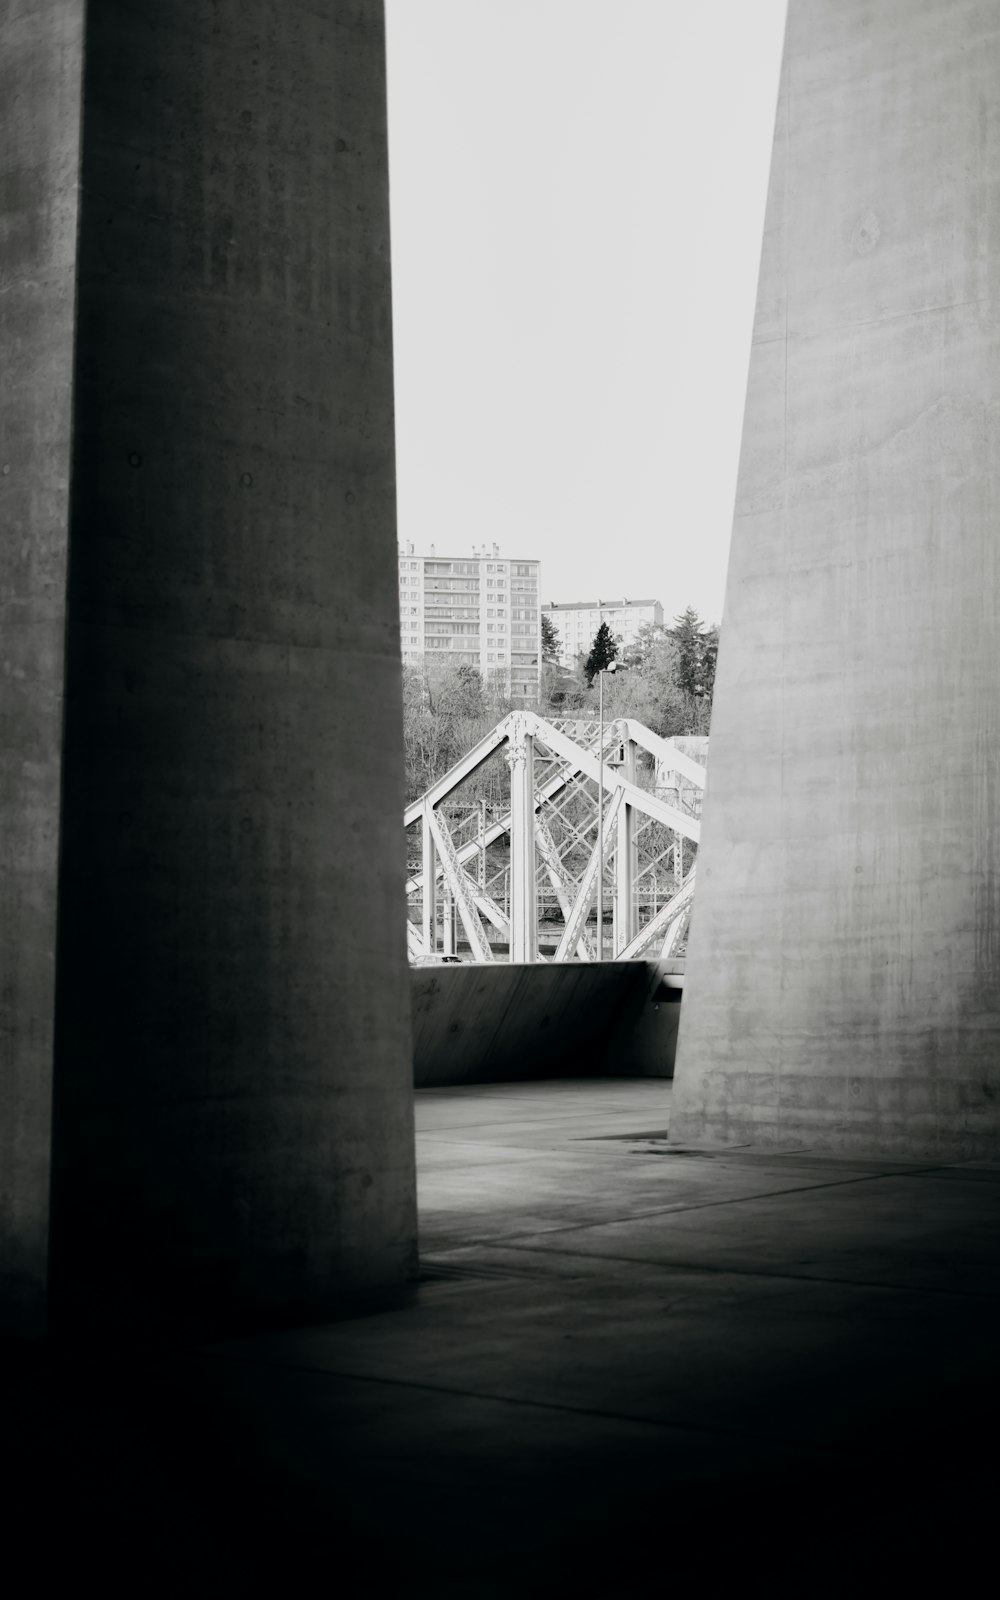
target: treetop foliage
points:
(697, 649)
(550, 640)
(603, 651)
(669, 687)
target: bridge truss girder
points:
(498, 882)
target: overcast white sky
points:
(577, 192)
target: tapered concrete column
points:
(230, 1134)
(843, 983)
(39, 158)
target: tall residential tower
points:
(480, 610)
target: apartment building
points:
(578, 621)
(481, 609)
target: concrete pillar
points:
(228, 1136)
(39, 156)
(843, 982)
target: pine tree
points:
(603, 651)
(687, 633)
(550, 640)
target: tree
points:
(603, 651)
(452, 690)
(448, 707)
(647, 642)
(697, 649)
(709, 659)
(671, 677)
(563, 688)
(469, 692)
(550, 641)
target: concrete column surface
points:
(39, 159)
(232, 1124)
(843, 984)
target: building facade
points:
(577, 622)
(480, 610)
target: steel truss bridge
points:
(504, 847)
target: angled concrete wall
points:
(501, 1022)
(843, 982)
(231, 1136)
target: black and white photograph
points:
(499, 797)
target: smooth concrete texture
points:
(843, 980)
(628, 1366)
(479, 1022)
(39, 159)
(232, 1104)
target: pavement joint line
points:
(728, 1271)
(678, 1209)
(560, 1121)
(849, 1451)
(707, 1205)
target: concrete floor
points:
(627, 1365)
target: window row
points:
(441, 568)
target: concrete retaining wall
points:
(496, 1023)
